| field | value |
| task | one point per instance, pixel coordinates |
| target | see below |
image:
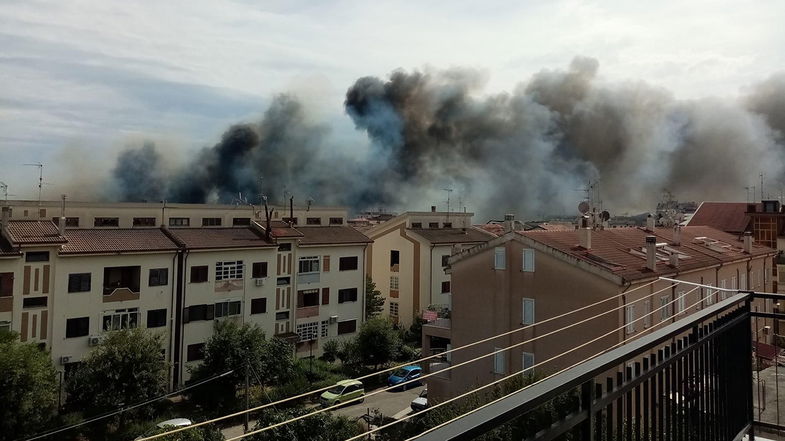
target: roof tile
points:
(101, 241)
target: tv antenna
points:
(40, 182)
(448, 190)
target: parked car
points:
(404, 374)
(342, 392)
(421, 402)
(174, 423)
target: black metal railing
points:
(690, 380)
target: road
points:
(390, 404)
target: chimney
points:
(677, 235)
(584, 234)
(650, 223)
(747, 242)
(509, 222)
(674, 260)
(651, 253)
(6, 216)
(61, 225)
(433, 208)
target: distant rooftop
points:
(33, 232)
(100, 241)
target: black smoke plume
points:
(527, 151)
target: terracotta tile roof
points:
(33, 232)
(100, 240)
(227, 237)
(730, 217)
(619, 250)
(453, 235)
(283, 229)
(331, 235)
(495, 229)
(6, 249)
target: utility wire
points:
(441, 354)
(122, 409)
(428, 409)
(376, 392)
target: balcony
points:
(308, 277)
(693, 379)
(306, 311)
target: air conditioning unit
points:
(333, 319)
(259, 282)
(93, 340)
(65, 359)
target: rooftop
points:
(110, 241)
(453, 235)
(33, 232)
(730, 217)
(227, 237)
(331, 235)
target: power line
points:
(124, 409)
(475, 343)
(524, 370)
(376, 392)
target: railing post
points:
(587, 405)
(748, 354)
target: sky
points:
(80, 79)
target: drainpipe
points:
(182, 261)
(172, 296)
(365, 284)
(430, 277)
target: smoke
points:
(525, 151)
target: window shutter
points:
(186, 314)
(326, 264)
(300, 299)
(210, 313)
(499, 258)
(325, 296)
(528, 260)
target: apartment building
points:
(65, 287)
(522, 278)
(408, 257)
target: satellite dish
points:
(584, 207)
(605, 215)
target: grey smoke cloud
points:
(526, 151)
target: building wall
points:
(408, 271)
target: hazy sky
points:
(81, 78)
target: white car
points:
(172, 424)
(420, 402)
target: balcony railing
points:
(308, 277)
(690, 380)
(307, 311)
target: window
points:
(37, 256)
(394, 283)
(445, 287)
(283, 315)
(500, 258)
(433, 224)
(158, 277)
(6, 284)
(445, 260)
(665, 308)
(72, 222)
(283, 281)
(307, 331)
(416, 224)
(313, 221)
(447, 225)
(195, 352)
(231, 270)
(77, 327)
(144, 222)
(211, 221)
(106, 222)
(258, 306)
(528, 260)
(308, 265)
(179, 221)
(307, 298)
(723, 293)
(291, 220)
(681, 303)
(347, 327)
(347, 295)
(156, 318)
(199, 274)
(259, 270)
(347, 263)
(325, 328)
(336, 221)
(284, 247)
(733, 283)
(393, 309)
(226, 309)
(646, 313)
(195, 313)
(79, 282)
(708, 294)
(629, 318)
(499, 362)
(527, 362)
(121, 319)
(395, 257)
(528, 312)
(34, 302)
(5, 326)
(121, 277)
(241, 221)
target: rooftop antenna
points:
(761, 186)
(40, 182)
(4, 189)
(308, 203)
(448, 190)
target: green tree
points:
(320, 427)
(28, 388)
(126, 367)
(374, 302)
(330, 350)
(378, 342)
(231, 347)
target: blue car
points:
(404, 374)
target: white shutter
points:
(527, 316)
(528, 260)
(527, 361)
(498, 362)
(630, 318)
(500, 258)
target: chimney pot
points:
(6, 216)
(509, 222)
(748, 242)
(651, 253)
(674, 260)
(677, 235)
(584, 235)
(61, 225)
(650, 223)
